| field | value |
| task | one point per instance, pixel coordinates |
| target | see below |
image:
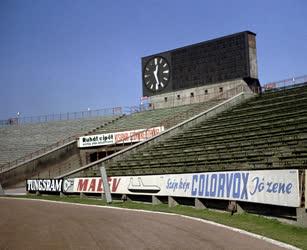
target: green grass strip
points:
(257, 224)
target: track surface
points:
(27, 224)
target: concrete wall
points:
(222, 90)
(252, 52)
(52, 163)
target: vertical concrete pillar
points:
(234, 206)
(62, 194)
(156, 200)
(37, 193)
(199, 204)
(240, 210)
(301, 217)
(82, 195)
(172, 202)
(125, 197)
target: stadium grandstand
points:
(216, 140)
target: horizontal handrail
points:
(62, 116)
(286, 83)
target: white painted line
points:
(274, 242)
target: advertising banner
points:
(276, 187)
(118, 137)
(44, 185)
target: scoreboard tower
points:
(202, 68)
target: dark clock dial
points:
(156, 74)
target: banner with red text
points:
(118, 137)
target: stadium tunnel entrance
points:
(96, 153)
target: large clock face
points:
(156, 74)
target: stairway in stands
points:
(267, 132)
(166, 117)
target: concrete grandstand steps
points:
(208, 164)
(250, 121)
(20, 140)
(269, 131)
(265, 99)
(290, 90)
(283, 102)
(266, 112)
(263, 111)
(166, 117)
(234, 137)
(202, 159)
(281, 96)
(275, 125)
(222, 148)
(97, 129)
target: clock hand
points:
(156, 76)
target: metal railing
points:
(62, 116)
(284, 84)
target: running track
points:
(28, 224)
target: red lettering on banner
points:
(92, 185)
(82, 185)
(99, 188)
(115, 184)
(135, 136)
(142, 136)
(121, 137)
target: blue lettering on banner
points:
(270, 187)
(221, 185)
(234, 185)
(194, 189)
(174, 185)
(215, 185)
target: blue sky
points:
(58, 56)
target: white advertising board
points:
(118, 137)
(276, 187)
